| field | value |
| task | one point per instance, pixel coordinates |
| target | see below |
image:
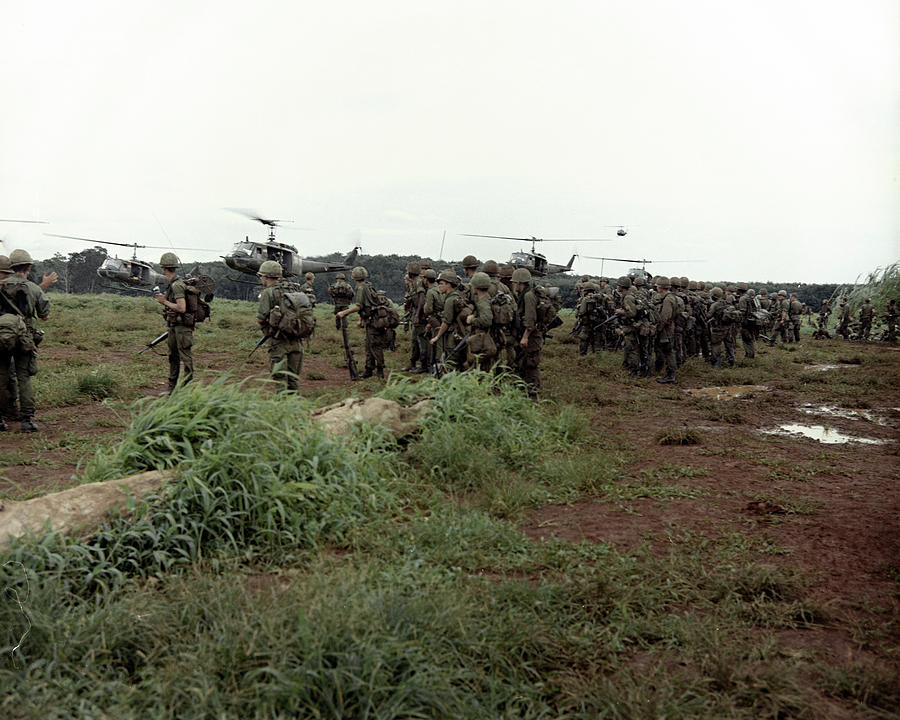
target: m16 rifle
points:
(348, 354)
(440, 367)
(258, 345)
(154, 342)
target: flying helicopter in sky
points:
(246, 256)
(534, 261)
(134, 274)
(635, 271)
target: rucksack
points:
(504, 309)
(545, 310)
(292, 315)
(731, 314)
(198, 292)
(14, 333)
(383, 316)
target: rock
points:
(85, 506)
(401, 421)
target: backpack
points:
(14, 333)
(545, 310)
(194, 288)
(504, 309)
(731, 314)
(383, 316)
(292, 315)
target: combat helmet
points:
(309, 277)
(506, 271)
(448, 276)
(693, 285)
(340, 276)
(168, 260)
(4, 264)
(413, 268)
(783, 293)
(683, 282)
(424, 264)
(663, 282)
(716, 292)
(521, 275)
(480, 281)
(429, 274)
(742, 286)
(470, 261)
(624, 282)
(490, 267)
(359, 273)
(639, 281)
(270, 268)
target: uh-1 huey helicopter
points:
(535, 262)
(635, 271)
(246, 256)
(132, 274)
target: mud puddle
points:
(843, 413)
(822, 434)
(728, 392)
(829, 366)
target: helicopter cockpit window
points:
(242, 248)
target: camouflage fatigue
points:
(846, 318)
(795, 313)
(308, 290)
(866, 314)
(665, 332)
(285, 354)
(528, 366)
(181, 336)
(21, 365)
(890, 318)
(481, 345)
(452, 314)
(432, 310)
(377, 339)
(747, 305)
(341, 295)
(629, 323)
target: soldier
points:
(844, 319)
(795, 313)
(506, 272)
(779, 310)
(179, 322)
(531, 340)
(481, 346)
(717, 326)
(628, 320)
(748, 326)
(21, 297)
(890, 319)
(453, 325)
(866, 315)
(821, 332)
(341, 295)
(588, 316)
(431, 311)
(665, 331)
(285, 351)
(415, 319)
(504, 314)
(307, 288)
(377, 339)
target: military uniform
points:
(748, 306)
(866, 314)
(181, 336)
(528, 364)
(377, 339)
(481, 347)
(795, 314)
(285, 352)
(308, 289)
(341, 294)
(432, 310)
(890, 318)
(23, 359)
(665, 331)
(844, 321)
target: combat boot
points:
(379, 373)
(3, 426)
(27, 425)
(367, 373)
(669, 377)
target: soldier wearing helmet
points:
(844, 318)
(21, 301)
(453, 325)
(749, 325)
(718, 328)
(481, 347)
(866, 315)
(414, 318)
(308, 289)
(377, 339)
(506, 272)
(529, 336)
(432, 309)
(342, 295)
(285, 351)
(780, 309)
(665, 330)
(179, 322)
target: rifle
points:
(348, 355)
(440, 367)
(575, 329)
(258, 345)
(155, 342)
(406, 320)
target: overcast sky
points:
(761, 137)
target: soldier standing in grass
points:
(844, 320)
(21, 297)
(482, 349)
(285, 351)
(307, 288)
(795, 313)
(431, 312)
(890, 318)
(747, 305)
(341, 295)
(531, 339)
(377, 339)
(665, 332)
(179, 322)
(866, 314)
(452, 318)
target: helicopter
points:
(133, 274)
(534, 261)
(246, 256)
(635, 271)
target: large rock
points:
(82, 507)
(340, 418)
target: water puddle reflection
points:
(844, 413)
(829, 366)
(822, 434)
(728, 392)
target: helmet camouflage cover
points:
(470, 261)
(168, 260)
(270, 268)
(480, 281)
(359, 273)
(340, 276)
(490, 267)
(413, 268)
(309, 277)
(4, 263)
(521, 275)
(506, 271)
(448, 276)
(430, 274)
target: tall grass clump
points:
(881, 285)
(481, 425)
(96, 385)
(257, 480)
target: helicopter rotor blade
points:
(92, 240)
(631, 260)
(253, 215)
(31, 222)
(536, 239)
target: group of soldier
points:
(861, 329)
(493, 318)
